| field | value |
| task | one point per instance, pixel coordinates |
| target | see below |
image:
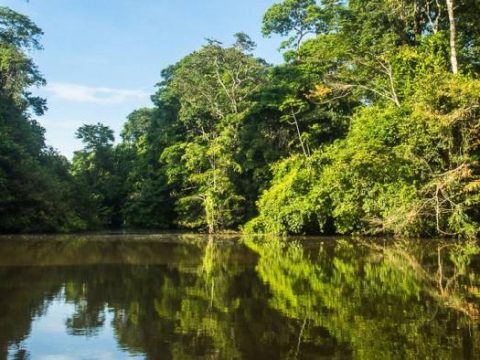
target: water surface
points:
(195, 297)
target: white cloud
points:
(61, 124)
(97, 95)
(82, 354)
(56, 357)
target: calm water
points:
(191, 297)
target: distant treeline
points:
(371, 125)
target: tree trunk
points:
(299, 133)
(453, 35)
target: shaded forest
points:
(371, 125)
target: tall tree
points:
(36, 189)
(213, 87)
(97, 171)
(453, 35)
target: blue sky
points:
(102, 58)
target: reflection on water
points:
(185, 297)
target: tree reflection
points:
(446, 273)
(206, 297)
(390, 300)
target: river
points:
(180, 296)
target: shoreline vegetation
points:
(370, 126)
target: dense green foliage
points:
(371, 125)
(409, 161)
(37, 191)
